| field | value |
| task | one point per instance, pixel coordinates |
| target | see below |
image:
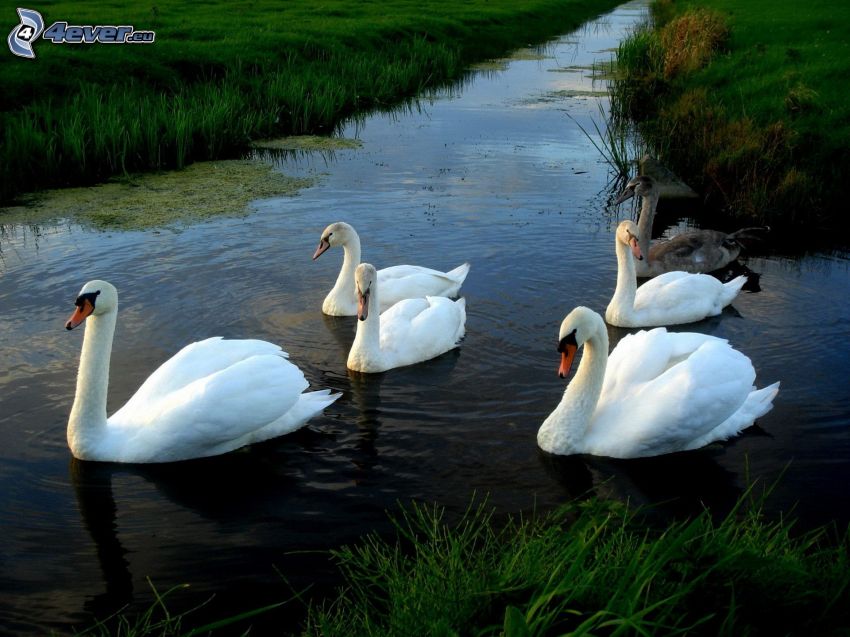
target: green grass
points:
(223, 74)
(590, 568)
(159, 621)
(762, 127)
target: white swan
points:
(669, 299)
(658, 392)
(212, 397)
(411, 331)
(397, 282)
(691, 251)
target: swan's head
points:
(336, 234)
(640, 186)
(627, 234)
(578, 326)
(96, 298)
(365, 280)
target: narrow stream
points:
(493, 172)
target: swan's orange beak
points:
(363, 304)
(636, 249)
(568, 353)
(84, 308)
(324, 244)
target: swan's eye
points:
(88, 296)
(569, 339)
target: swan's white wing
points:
(645, 355)
(196, 360)
(210, 414)
(416, 330)
(410, 281)
(399, 316)
(678, 292)
(396, 272)
(682, 404)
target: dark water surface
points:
(494, 173)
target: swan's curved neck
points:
(344, 286)
(88, 415)
(644, 224)
(366, 349)
(623, 302)
(565, 429)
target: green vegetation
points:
(618, 142)
(590, 568)
(159, 621)
(747, 102)
(307, 143)
(222, 74)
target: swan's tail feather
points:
(459, 273)
(731, 289)
(309, 404)
(762, 399)
(757, 404)
(313, 402)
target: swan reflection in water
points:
(92, 482)
(253, 513)
(672, 487)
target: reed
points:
(618, 142)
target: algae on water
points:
(307, 143)
(501, 64)
(557, 96)
(195, 193)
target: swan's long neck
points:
(366, 349)
(644, 224)
(565, 429)
(344, 287)
(623, 302)
(88, 415)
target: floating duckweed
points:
(196, 193)
(308, 142)
(528, 54)
(558, 96)
(576, 93)
(490, 65)
(575, 68)
(501, 64)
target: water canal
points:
(496, 172)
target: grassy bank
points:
(592, 567)
(747, 102)
(220, 75)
